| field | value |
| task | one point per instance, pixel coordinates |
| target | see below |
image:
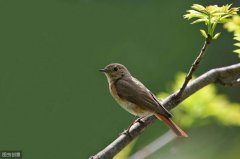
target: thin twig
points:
(194, 67)
(212, 76)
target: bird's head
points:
(115, 71)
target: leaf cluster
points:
(210, 16)
(234, 26)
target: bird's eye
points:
(115, 68)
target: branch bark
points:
(218, 75)
(194, 67)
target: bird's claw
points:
(126, 132)
(139, 120)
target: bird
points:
(136, 98)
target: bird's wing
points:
(134, 91)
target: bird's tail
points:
(169, 122)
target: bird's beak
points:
(102, 70)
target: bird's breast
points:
(128, 106)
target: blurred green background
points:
(53, 101)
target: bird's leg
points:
(126, 132)
(139, 120)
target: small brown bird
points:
(135, 98)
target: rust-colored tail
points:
(168, 121)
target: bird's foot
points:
(139, 120)
(126, 132)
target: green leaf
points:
(204, 34)
(198, 7)
(199, 20)
(237, 51)
(223, 20)
(194, 14)
(216, 36)
(237, 44)
(237, 37)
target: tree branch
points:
(194, 67)
(213, 76)
(232, 82)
